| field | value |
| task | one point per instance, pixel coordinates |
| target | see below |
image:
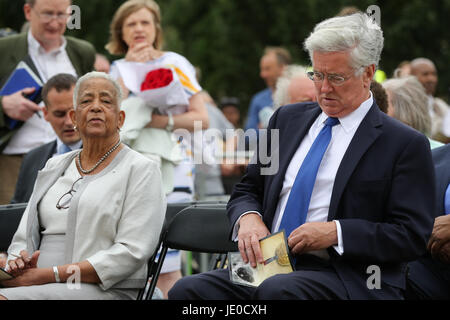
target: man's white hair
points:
(97, 75)
(356, 33)
(281, 95)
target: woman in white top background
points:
(136, 33)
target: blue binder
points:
(21, 78)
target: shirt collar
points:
(74, 146)
(349, 122)
(35, 47)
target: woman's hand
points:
(3, 259)
(142, 52)
(18, 266)
(30, 277)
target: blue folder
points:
(22, 77)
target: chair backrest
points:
(200, 228)
(10, 215)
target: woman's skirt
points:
(52, 254)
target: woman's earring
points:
(75, 128)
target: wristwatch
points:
(170, 122)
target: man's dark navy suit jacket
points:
(383, 195)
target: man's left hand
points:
(313, 236)
(444, 253)
(440, 235)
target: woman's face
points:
(97, 113)
(139, 27)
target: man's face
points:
(301, 89)
(232, 114)
(271, 70)
(340, 100)
(48, 31)
(427, 75)
(57, 113)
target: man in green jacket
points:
(48, 53)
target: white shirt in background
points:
(36, 131)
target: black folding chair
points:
(198, 228)
(10, 215)
(171, 211)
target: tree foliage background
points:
(225, 38)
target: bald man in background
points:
(425, 71)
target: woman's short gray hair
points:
(96, 75)
(410, 103)
(281, 94)
(357, 33)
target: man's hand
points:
(313, 236)
(440, 235)
(444, 253)
(17, 107)
(251, 230)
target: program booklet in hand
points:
(277, 260)
(5, 275)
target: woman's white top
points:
(54, 221)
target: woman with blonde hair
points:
(136, 32)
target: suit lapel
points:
(365, 136)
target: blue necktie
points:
(447, 200)
(298, 203)
(64, 149)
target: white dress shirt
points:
(36, 131)
(342, 135)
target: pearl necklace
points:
(99, 161)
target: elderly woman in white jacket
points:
(95, 215)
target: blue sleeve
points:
(253, 119)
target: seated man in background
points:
(58, 98)
(429, 277)
(425, 71)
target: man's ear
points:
(45, 111)
(27, 11)
(369, 74)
